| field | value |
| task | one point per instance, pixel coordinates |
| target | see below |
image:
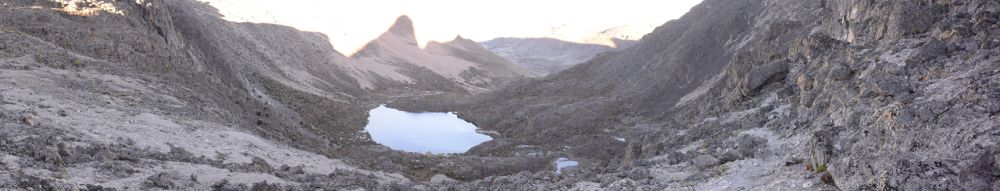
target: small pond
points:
(437, 133)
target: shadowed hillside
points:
(746, 94)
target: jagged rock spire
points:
(403, 27)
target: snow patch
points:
(562, 163)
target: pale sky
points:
(352, 23)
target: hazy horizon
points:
(352, 24)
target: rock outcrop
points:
(457, 66)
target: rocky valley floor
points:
(736, 95)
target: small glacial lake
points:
(437, 133)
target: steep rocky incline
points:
(773, 94)
(887, 95)
(168, 95)
(163, 94)
(646, 78)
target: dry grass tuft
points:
(879, 181)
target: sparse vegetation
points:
(820, 168)
(721, 169)
(879, 181)
(816, 167)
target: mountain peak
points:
(403, 27)
(459, 38)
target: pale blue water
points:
(436, 133)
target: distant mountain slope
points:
(397, 57)
(544, 56)
(620, 37)
(647, 77)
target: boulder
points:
(31, 120)
(730, 155)
(803, 82)
(840, 72)
(704, 161)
